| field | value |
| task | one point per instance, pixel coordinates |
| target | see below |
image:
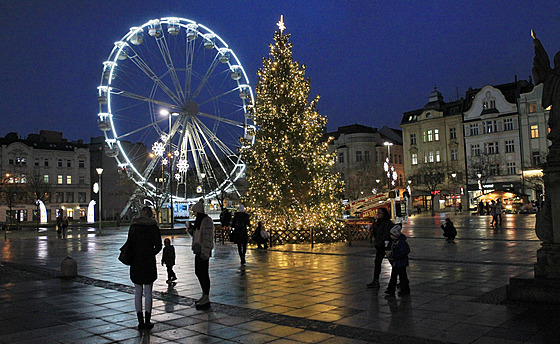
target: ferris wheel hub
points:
(191, 108)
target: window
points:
(358, 156)
(510, 148)
(21, 160)
(508, 124)
(534, 131)
(11, 161)
(430, 136)
(412, 139)
(81, 197)
(438, 157)
(452, 134)
(414, 158)
(431, 157)
(46, 162)
(59, 179)
(341, 158)
(59, 162)
(474, 129)
(436, 134)
(81, 163)
(81, 180)
(69, 197)
(59, 197)
(532, 107)
(46, 178)
(491, 148)
(494, 170)
(23, 179)
(68, 179)
(366, 156)
(475, 150)
(453, 155)
(490, 127)
(68, 163)
(536, 158)
(36, 161)
(511, 168)
(425, 158)
(424, 136)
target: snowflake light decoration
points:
(182, 165)
(158, 148)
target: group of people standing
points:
(390, 242)
(144, 240)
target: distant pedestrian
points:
(240, 224)
(225, 218)
(64, 226)
(59, 225)
(494, 214)
(168, 258)
(449, 230)
(381, 236)
(260, 236)
(460, 207)
(202, 245)
(499, 211)
(398, 257)
(481, 208)
(144, 237)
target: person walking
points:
(225, 218)
(493, 213)
(240, 223)
(499, 211)
(144, 238)
(64, 226)
(59, 225)
(449, 230)
(202, 245)
(381, 228)
(398, 256)
(168, 258)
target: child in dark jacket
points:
(168, 258)
(398, 256)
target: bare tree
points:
(362, 180)
(484, 166)
(431, 178)
(11, 194)
(38, 190)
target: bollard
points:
(68, 268)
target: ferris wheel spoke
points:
(207, 75)
(164, 50)
(218, 96)
(191, 45)
(148, 126)
(127, 94)
(144, 67)
(210, 138)
(221, 119)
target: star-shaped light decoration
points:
(158, 148)
(177, 176)
(164, 161)
(281, 25)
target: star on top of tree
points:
(281, 25)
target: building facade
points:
(434, 160)
(361, 153)
(491, 123)
(44, 163)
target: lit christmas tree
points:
(290, 184)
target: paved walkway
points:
(287, 294)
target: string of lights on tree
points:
(290, 184)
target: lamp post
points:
(409, 197)
(99, 172)
(170, 156)
(388, 168)
(454, 175)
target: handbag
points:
(126, 254)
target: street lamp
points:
(454, 175)
(390, 170)
(99, 172)
(164, 112)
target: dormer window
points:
(429, 115)
(488, 102)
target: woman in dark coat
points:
(240, 223)
(144, 238)
(382, 237)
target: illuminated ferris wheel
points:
(176, 87)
